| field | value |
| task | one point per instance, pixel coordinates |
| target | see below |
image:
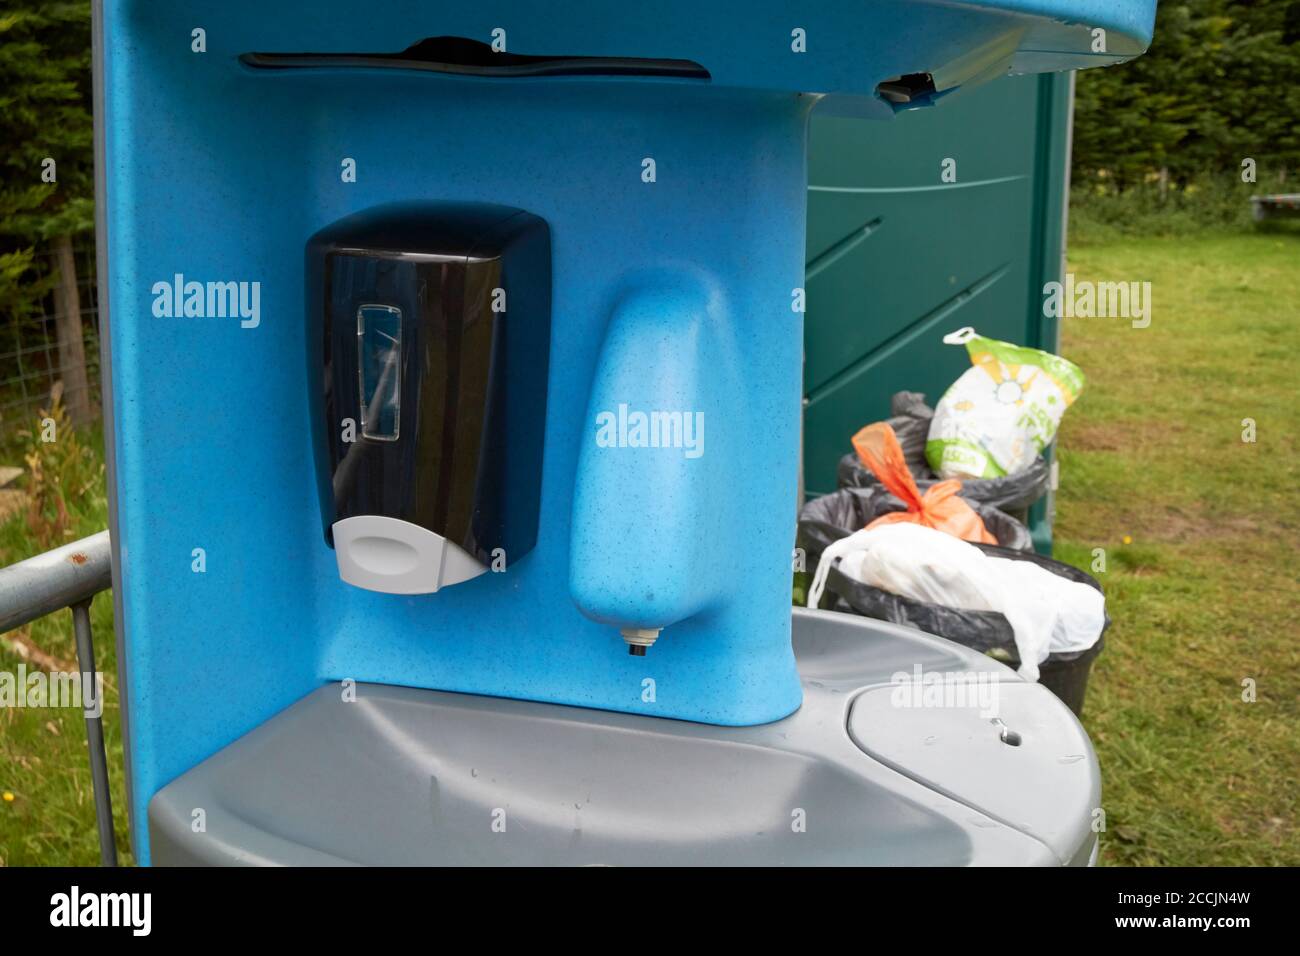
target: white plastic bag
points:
(1079, 611)
(1002, 411)
(1046, 612)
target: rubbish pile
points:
(916, 535)
(989, 428)
(1048, 613)
(910, 419)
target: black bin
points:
(831, 517)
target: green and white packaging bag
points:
(1002, 412)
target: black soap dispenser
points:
(428, 336)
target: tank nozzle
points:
(639, 638)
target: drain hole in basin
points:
(460, 55)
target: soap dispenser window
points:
(379, 371)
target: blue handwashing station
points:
(452, 372)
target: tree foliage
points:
(46, 172)
(1220, 84)
(45, 113)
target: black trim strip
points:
(464, 57)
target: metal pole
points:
(49, 582)
(95, 733)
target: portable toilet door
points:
(948, 216)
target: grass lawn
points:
(47, 814)
(1205, 596)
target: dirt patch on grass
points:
(1083, 435)
(1176, 524)
(1148, 524)
(28, 650)
(12, 501)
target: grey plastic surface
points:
(1046, 786)
(403, 776)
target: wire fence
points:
(30, 362)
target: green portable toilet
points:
(900, 253)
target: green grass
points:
(1205, 596)
(43, 757)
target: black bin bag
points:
(831, 517)
(910, 419)
(843, 512)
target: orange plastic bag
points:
(939, 508)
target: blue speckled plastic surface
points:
(666, 294)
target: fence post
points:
(67, 321)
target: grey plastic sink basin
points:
(402, 776)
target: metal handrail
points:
(69, 576)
